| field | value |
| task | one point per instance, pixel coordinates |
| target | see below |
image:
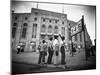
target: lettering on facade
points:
(77, 28)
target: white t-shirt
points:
(55, 42)
(18, 46)
(49, 43)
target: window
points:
(43, 28)
(36, 13)
(16, 18)
(63, 31)
(80, 37)
(49, 28)
(56, 21)
(43, 20)
(35, 19)
(24, 30)
(26, 18)
(15, 24)
(56, 29)
(14, 29)
(50, 21)
(62, 22)
(34, 31)
(76, 37)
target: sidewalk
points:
(76, 62)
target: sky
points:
(74, 12)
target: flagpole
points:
(37, 5)
(63, 9)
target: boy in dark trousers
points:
(50, 51)
(43, 52)
(18, 49)
(62, 49)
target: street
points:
(27, 63)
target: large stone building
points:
(42, 24)
(37, 25)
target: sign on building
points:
(76, 28)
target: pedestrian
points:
(56, 51)
(22, 48)
(18, 49)
(62, 50)
(50, 51)
(79, 48)
(39, 46)
(43, 52)
(73, 50)
(92, 51)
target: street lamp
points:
(70, 37)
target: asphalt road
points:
(24, 68)
(27, 63)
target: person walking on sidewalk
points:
(18, 49)
(73, 50)
(39, 46)
(43, 52)
(50, 51)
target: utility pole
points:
(71, 39)
(83, 29)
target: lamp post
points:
(70, 38)
(83, 29)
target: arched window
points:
(49, 29)
(49, 26)
(56, 29)
(43, 28)
(14, 29)
(34, 31)
(63, 31)
(24, 30)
